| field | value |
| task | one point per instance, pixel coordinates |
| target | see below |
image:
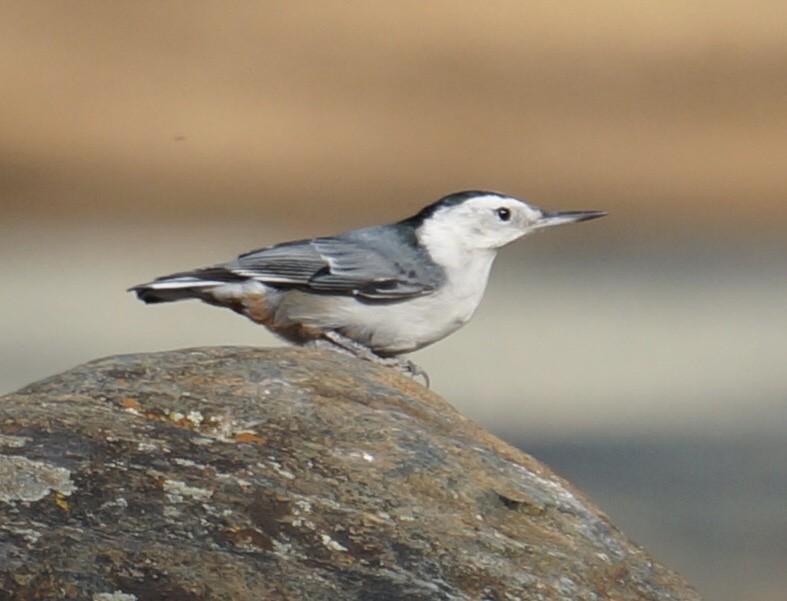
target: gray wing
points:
(374, 263)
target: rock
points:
(237, 473)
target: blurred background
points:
(643, 356)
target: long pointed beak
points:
(550, 218)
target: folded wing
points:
(365, 263)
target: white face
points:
(482, 223)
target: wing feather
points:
(358, 264)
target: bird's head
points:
(486, 221)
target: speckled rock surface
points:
(236, 473)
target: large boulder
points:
(238, 473)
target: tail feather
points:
(181, 286)
(165, 292)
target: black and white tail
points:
(181, 286)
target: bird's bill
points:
(550, 218)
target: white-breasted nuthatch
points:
(376, 292)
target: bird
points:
(377, 292)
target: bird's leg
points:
(323, 343)
(337, 342)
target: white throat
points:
(466, 269)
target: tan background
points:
(642, 355)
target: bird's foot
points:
(336, 342)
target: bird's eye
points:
(503, 213)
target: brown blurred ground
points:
(281, 110)
(141, 138)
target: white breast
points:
(400, 327)
(421, 321)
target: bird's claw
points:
(337, 342)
